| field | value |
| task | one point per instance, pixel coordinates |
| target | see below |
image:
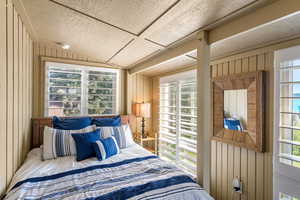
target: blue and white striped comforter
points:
(137, 177)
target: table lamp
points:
(142, 110)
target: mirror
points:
(235, 109)
(238, 110)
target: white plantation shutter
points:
(178, 121)
(74, 90)
(287, 124)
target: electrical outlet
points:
(237, 185)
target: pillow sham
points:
(122, 134)
(84, 144)
(114, 121)
(105, 148)
(71, 123)
(59, 143)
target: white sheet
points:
(35, 167)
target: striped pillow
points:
(122, 135)
(105, 148)
(59, 143)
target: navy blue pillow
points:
(71, 123)
(232, 124)
(114, 121)
(105, 148)
(84, 144)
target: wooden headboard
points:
(38, 125)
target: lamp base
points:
(144, 134)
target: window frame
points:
(286, 177)
(84, 86)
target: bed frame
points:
(38, 125)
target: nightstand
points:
(146, 143)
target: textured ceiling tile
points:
(87, 36)
(131, 15)
(171, 65)
(134, 52)
(200, 13)
(268, 33)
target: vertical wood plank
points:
(253, 63)
(238, 66)
(24, 93)
(213, 169)
(225, 68)
(245, 64)
(220, 69)
(232, 67)
(237, 167)
(20, 61)
(28, 117)
(3, 100)
(219, 170)
(36, 73)
(251, 175)
(134, 100)
(214, 70)
(259, 176)
(155, 103)
(129, 93)
(53, 52)
(224, 171)
(261, 62)
(9, 93)
(30, 90)
(230, 171)
(16, 128)
(244, 173)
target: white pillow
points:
(128, 135)
(122, 134)
(59, 143)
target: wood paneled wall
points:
(53, 51)
(227, 161)
(16, 48)
(139, 89)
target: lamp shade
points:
(142, 110)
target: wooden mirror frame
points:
(253, 137)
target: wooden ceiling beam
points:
(166, 55)
(260, 17)
(275, 10)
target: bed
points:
(135, 173)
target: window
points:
(73, 90)
(287, 123)
(178, 121)
(287, 197)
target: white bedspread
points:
(134, 162)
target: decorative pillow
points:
(122, 135)
(232, 124)
(84, 144)
(71, 123)
(58, 143)
(105, 148)
(114, 121)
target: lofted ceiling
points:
(280, 30)
(125, 32)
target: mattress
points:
(135, 173)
